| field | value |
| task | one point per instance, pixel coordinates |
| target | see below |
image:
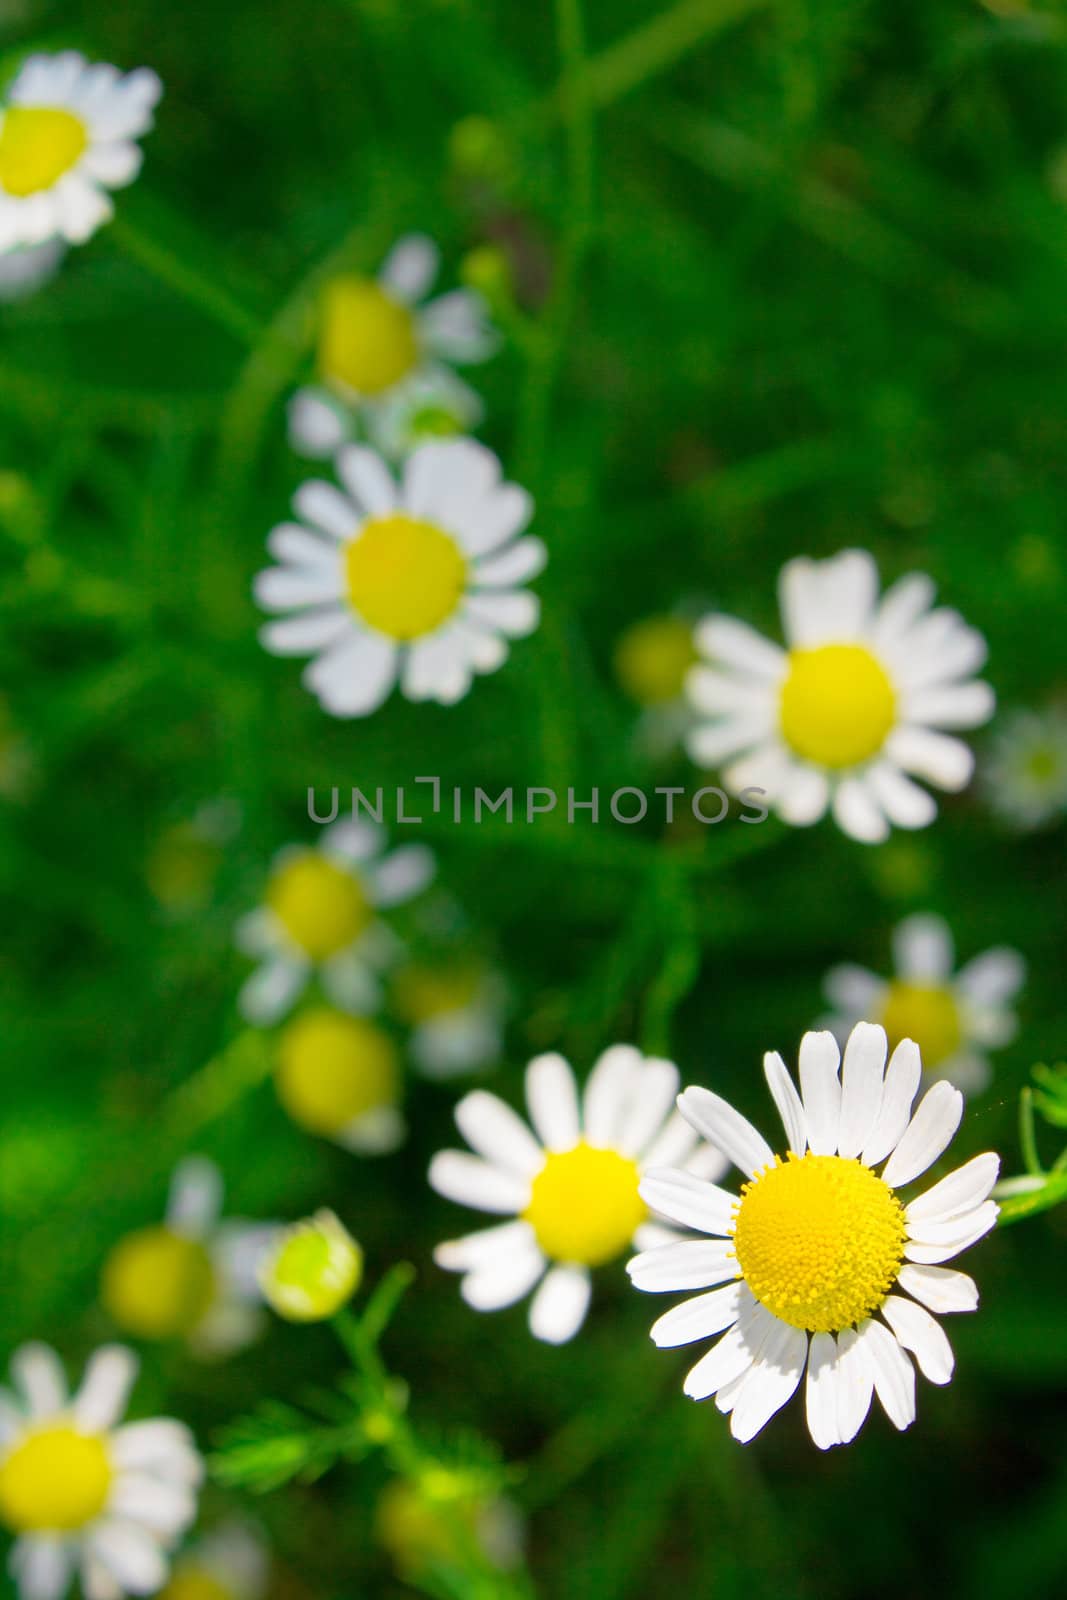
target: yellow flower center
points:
(55, 1480)
(652, 659)
(927, 1013)
(819, 1240)
(405, 576)
(194, 1582)
(423, 993)
(837, 705)
(333, 1068)
(320, 905)
(367, 340)
(584, 1205)
(157, 1284)
(37, 146)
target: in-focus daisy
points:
(456, 1014)
(954, 1017)
(26, 269)
(381, 343)
(81, 1494)
(417, 581)
(338, 1076)
(230, 1563)
(193, 1276)
(653, 658)
(67, 135)
(320, 915)
(819, 1263)
(1026, 770)
(858, 700)
(570, 1185)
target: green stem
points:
(1028, 1135)
(214, 301)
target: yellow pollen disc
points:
(37, 146)
(157, 1284)
(584, 1205)
(927, 1013)
(405, 576)
(367, 340)
(320, 905)
(421, 994)
(55, 1480)
(819, 1240)
(837, 705)
(194, 1582)
(333, 1069)
(652, 659)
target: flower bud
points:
(314, 1269)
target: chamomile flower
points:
(570, 1185)
(192, 1276)
(230, 1563)
(1026, 770)
(954, 1017)
(338, 1076)
(416, 582)
(67, 136)
(430, 405)
(320, 915)
(819, 1264)
(858, 700)
(456, 1013)
(314, 1268)
(26, 269)
(82, 1495)
(653, 658)
(379, 339)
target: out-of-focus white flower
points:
(230, 1563)
(1025, 772)
(456, 1014)
(28, 268)
(338, 1076)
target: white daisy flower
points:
(417, 581)
(28, 268)
(858, 700)
(193, 1276)
(230, 1563)
(818, 1263)
(456, 1013)
(431, 404)
(379, 338)
(82, 1495)
(67, 136)
(571, 1184)
(954, 1017)
(1025, 772)
(338, 1076)
(320, 916)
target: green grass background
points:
(820, 263)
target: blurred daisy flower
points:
(652, 661)
(385, 354)
(313, 1269)
(954, 1017)
(67, 136)
(858, 700)
(1025, 772)
(28, 268)
(81, 1494)
(417, 582)
(338, 1076)
(571, 1184)
(456, 1013)
(320, 915)
(192, 1276)
(231, 1563)
(821, 1264)
(415, 1523)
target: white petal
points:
(854, 991)
(437, 667)
(717, 694)
(854, 1383)
(454, 327)
(861, 1086)
(42, 1566)
(723, 638)
(105, 1389)
(683, 1264)
(734, 1353)
(470, 1182)
(902, 1079)
(994, 978)
(354, 676)
(922, 949)
(770, 1382)
(290, 588)
(504, 1280)
(377, 1132)
(700, 1318)
(82, 207)
(552, 1099)
(713, 742)
(892, 1373)
(858, 813)
(802, 797)
(447, 479)
(194, 1203)
(401, 876)
(495, 1131)
(917, 1331)
(290, 543)
(477, 1250)
(945, 762)
(271, 990)
(790, 1106)
(115, 163)
(929, 1132)
(931, 1242)
(130, 1554)
(325, 507)
(821, 1091)
(38, 1375)
(305, 632)
(901, 605)
(162, 1447)
(904, 803)
(652, 1099)
(607, 1091)
(960, 1192)
(558, 1308)
(349, 982)
(165, 1509)
(721, 1125)
(964, 705)
(940, 1288)
(515, 612)
(517, 564)
(821, 1391)
(410, 268)
(688, 1200)
(674, 1146)
(367, 479)
(317, 424)
(493, 520)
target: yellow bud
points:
(314, 1269)
(479, 149)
